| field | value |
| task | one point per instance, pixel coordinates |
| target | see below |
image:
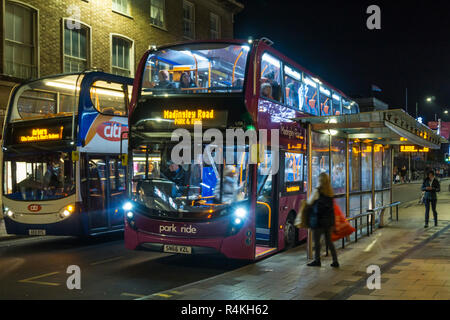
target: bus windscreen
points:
(39, 177)
(48, 98)
(195, 68)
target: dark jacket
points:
(431, 194)
(322, 213)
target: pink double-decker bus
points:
(235, 207)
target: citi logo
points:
(111, 130)
(173, 228)
(34, 207)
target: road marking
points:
(162, 295)
(126, 294)
(106, 261)
(31, 280)
(176, 292)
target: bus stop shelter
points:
(356, 150)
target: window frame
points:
(127, 13)
(164, 26)
(284, 75)
(88, 43)
(218, 25)
(126, 99)
(132, 53)
(36, 36)
(281, 82)
(192, 6)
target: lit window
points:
(214, 26)
(157, 13)
(121, 6)
(188, 20)
(76, 46)
(20, 41)
(122, 56)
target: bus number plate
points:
(177, 249)
(36, 232)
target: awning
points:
(384, 126)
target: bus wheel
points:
(289, 233)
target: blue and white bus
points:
(61, 169)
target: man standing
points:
(430, 185)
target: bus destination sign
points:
(188, 117)
(42, 134)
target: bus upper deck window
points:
(271, 75)
(293, 85)
(195, 68)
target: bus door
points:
(116, 190)
(266, 215)
(97, 192)
(106, 191)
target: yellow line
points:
(126, 294)
(163, 295)
(31, 280)
(260, 254)
(106, 261)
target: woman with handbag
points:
(322, 219)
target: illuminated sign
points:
(293, 189)
(186, 117)
(413, 149)
(403, 139)
(43, 135)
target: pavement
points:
(414, 263)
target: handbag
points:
(302, 218)
(343, 228)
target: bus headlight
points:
(130, 215)
(9, 212)
(240, 213)
(127, 206)
(67, 211)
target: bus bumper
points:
(67, 227)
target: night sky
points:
(330, 38)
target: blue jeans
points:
(427, 210)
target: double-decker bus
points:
(236, 208)
(62, 172)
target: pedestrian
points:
(321, 218)
(431, 185)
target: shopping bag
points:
(301, 220)
(343, 228)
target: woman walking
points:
(321, 218)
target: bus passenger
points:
(176, 174)
(164, 82)
(321, 218)
(276, 88)
(186, 81)
(266, 90)
(229, 185)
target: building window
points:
(76, 46)
(122, 56)
(121, 6)
(188, 20)
(157, 13)
(20, 41)
(214, 21)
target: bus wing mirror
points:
(124, 159)
(75, 155)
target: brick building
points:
(44, 37)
